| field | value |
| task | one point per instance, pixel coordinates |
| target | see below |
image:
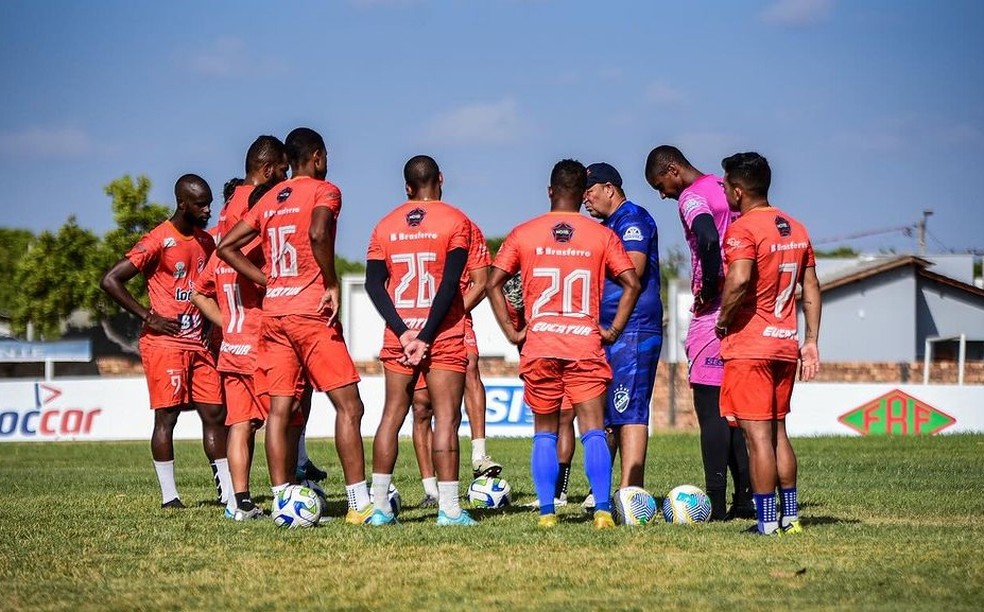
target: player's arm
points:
(736, 283)
(493, 289)
(322, 234)
(631, 288)
(709, 254)
(376, 277)
(230, 250)
(208, 306)
(809, 352)
(476, 293)
(454, 267)
(114, 283)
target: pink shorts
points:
(704, 351)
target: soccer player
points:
(767, 254)
(705, 216)
(563, 258)
(473, 291)
(634, 356)
(300, 333)
(180, 369)
(416, 257)
(234, 304)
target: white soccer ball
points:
(485, 492)
(396, 502)
(296, 506)
(686, 504)
(634, 506)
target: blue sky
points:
(869, 111)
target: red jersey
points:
(414, 240)
(764, 326)
(171, 263)
(478, 257)
(232, 212)
(241, 303)
(295, 284)
(563, 259)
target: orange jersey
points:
(765, 325)
(232, 212)
(295, 283)
(563, 259)
(414, 241)
(478, 256)
(241, 303)
(171, 263)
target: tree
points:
(841, 252)
(13, 245)
(52, 278)
(494, 243)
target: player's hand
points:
(329, 303)
(809, 361)
(609, 335)
(407, 337)
(164, 325)
(517, 336)
(415, 352)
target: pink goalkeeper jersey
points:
(705, 196)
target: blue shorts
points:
(633, 357)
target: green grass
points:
(890, 523)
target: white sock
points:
(302, 456)
(165, 476)
(448, 498)
(225, 482)
(478, 449)
(430, 486)
(380, 491)
(358, 495)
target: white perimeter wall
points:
(117, 409)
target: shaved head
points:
(191, 186)
(421, 171)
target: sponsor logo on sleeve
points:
(692, 202)
(169, 242)
(632, 234)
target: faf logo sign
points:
(896, 413)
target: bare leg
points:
(446, 389)
(423, 417)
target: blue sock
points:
(598, 467)
(545, 468)
(765, 509)
(790, 508)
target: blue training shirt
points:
(636, 228)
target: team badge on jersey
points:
(201, 264)
(621, 398)
(562, 232)
(284, 194)
(179, 270)
(168, 243)
(783, 226)
(632, 233)
(415, 217)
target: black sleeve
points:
(376, 276)
(709, 254)
(454, 267)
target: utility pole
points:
(922, 231)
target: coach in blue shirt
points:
(635, 353)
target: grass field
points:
(890, 523)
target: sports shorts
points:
(633, 359)
(177, 375)
(292, 347)
(444, 354)
(243, 403)
(704, 351)
(471, 341)
(549, 381)
(757, 389)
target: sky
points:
(869, 111)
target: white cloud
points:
(664, 95)
(797, 12)
(228, 57)
(483, 123)
(46, 142)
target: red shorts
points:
(177, 376)
(471, 341)
(446, 354)
(757, 389)
(243, 403)
(294, 345)
(551, 383)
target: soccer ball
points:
(296, 506)
(634, 506)
(485, 492)
(686, 504)
(396, 502)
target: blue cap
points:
(603, 173)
